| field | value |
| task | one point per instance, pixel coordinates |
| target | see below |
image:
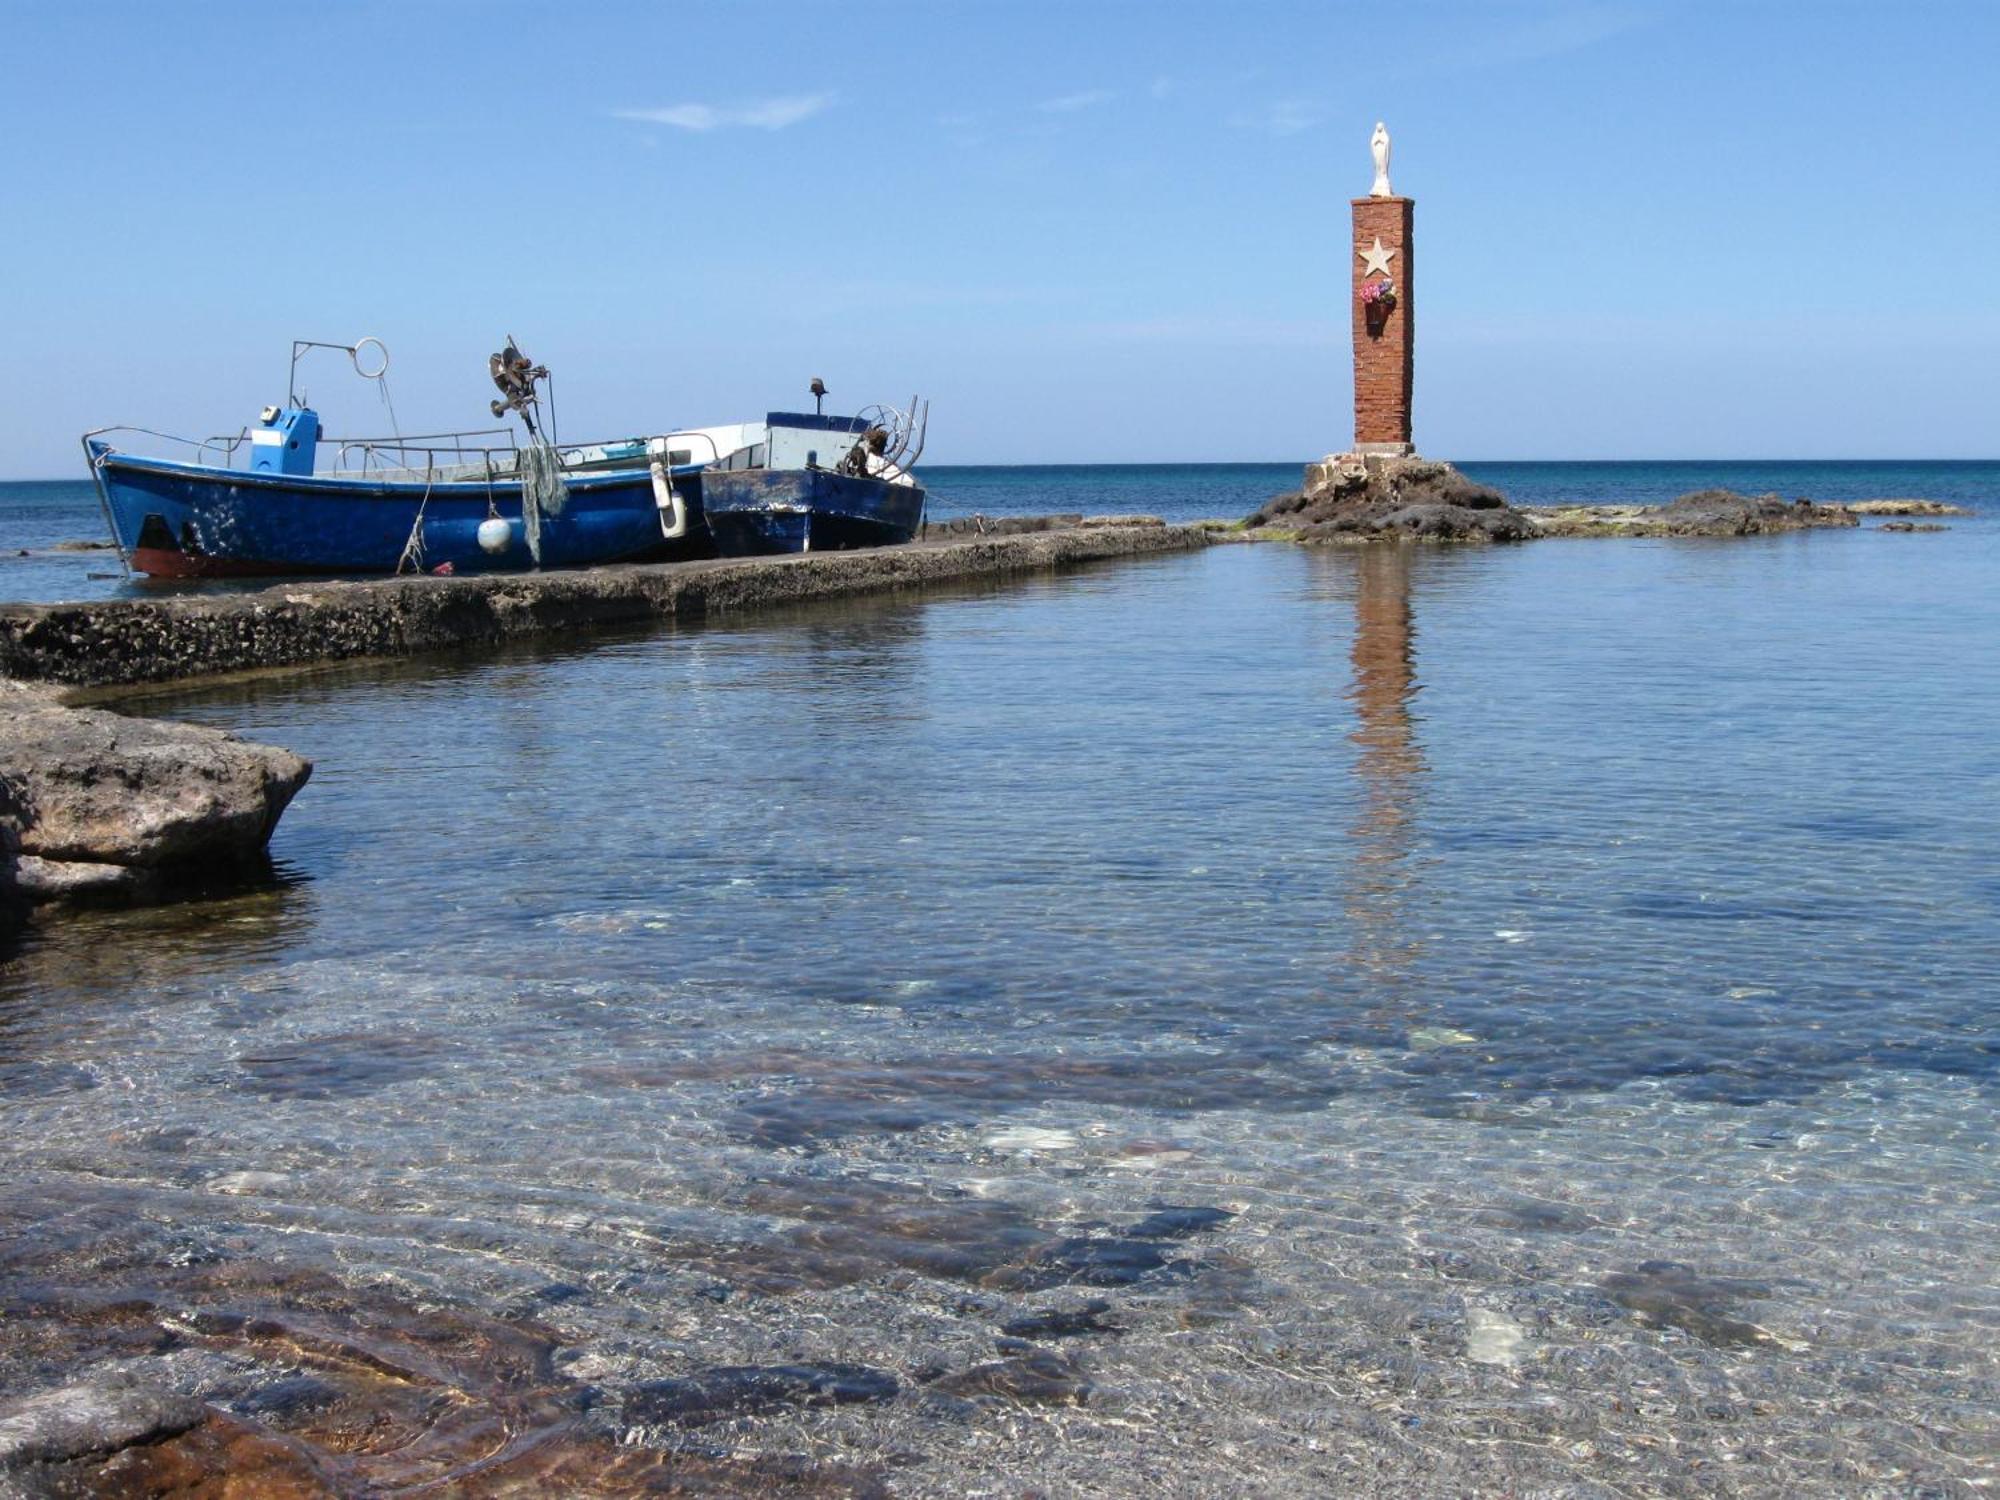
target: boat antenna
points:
(819, 396)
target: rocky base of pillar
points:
(1374, 496)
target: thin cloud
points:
(1568, 30)
(1281, 117)
(1553, 33)
(757, 114)
(1069, 104)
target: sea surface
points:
(1406, 1021)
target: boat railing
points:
(490, 450)
(489, 447)
(218, 451)
(714, 449)
(457, 455)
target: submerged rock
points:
(283, 1383)
(1179, 1222)
(57, 1426)
(1042, 1378)
(95, 805)
(1667, 1294)
(121, 1437)
(1347, 498)
(727, 1391)
(1062, 1322)
(1912, 526)
(1082, 1261)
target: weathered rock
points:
(96, 805)
(1348, 499)
(1726, 513)
(981, 525)
(1905, 507)
(1702, 513)
(40, 881)
(1911, 526)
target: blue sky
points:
(1089, 231)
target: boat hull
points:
(176, 520)
(751, 512)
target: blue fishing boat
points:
(279, 498)
(807, 482)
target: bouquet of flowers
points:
(1379, 294)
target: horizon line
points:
(1266, 463)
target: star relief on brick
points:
(1376, 262)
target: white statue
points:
(1379, 144)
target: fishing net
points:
(543, 493)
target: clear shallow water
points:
(36, 516)
(1569, 968)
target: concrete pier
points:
(112, 643)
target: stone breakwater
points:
(114, 643)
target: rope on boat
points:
(413, 549)
(382, 388)
(104, 496)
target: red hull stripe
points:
(160, 562)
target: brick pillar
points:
(1383, 341)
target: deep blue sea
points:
(1428, 1022)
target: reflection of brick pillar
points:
(1382, 342)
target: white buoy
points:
(495, 534)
